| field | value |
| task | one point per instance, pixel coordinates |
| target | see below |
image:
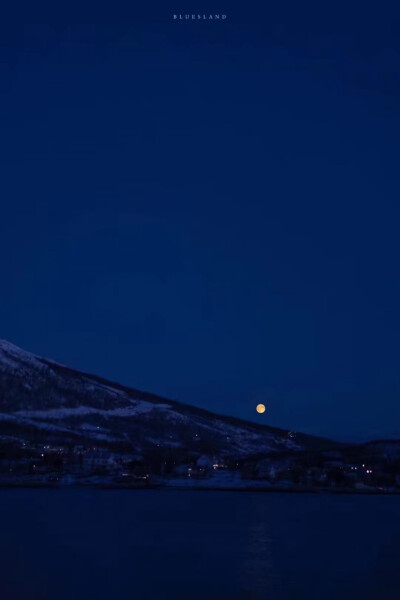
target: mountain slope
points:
(46, 401)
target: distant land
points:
(59, 427)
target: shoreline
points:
(202, 488)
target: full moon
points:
(260, 408)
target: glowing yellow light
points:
(260, 408)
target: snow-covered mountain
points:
(44, 401)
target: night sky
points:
(209, 211)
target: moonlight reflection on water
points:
(183, 545)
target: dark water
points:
(159, 545)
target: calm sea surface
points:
(160, 545)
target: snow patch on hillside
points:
(65, 413)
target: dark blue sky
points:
(209, 211)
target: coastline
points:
(199, 488)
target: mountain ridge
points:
(41, 392)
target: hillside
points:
(58, 424)
(41, 399)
